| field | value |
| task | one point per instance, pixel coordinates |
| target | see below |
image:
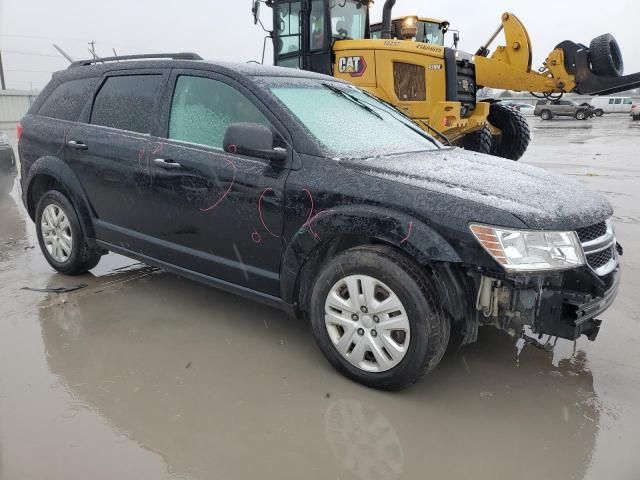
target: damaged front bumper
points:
(561, 304)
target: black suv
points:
(306, 193)
(7, 165)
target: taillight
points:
(19, 131)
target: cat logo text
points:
(354, 66)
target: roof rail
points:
(147, 56)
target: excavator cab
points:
(418, 29)
(305, 30)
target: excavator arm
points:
(568, 68)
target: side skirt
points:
(244, 292)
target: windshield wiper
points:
(353, 99)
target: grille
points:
(599, 259)
(409, 82)
(592, 232)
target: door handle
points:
(169, 164)
(76, 145)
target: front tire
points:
(60, 235)
(514, 136)
(546, 115)
(580, 115)
(599, 112)
(479, 141)
(375, 318)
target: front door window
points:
(203, 108)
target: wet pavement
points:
(143, 374)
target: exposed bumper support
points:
(564, 305)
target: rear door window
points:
(128, 102)
(68, 99)
(202, 108)
(627, 101)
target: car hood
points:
(541, 199)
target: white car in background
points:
(611, 105)
(526, 109)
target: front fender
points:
(57, 169)
(416, 238)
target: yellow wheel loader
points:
(405, 63)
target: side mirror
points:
(456, 39)
(255, 10)
(253, 140)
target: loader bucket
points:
(578, 62)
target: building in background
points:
(13, 105)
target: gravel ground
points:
(143, 374)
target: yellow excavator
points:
(405, 63)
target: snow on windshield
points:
(349, 124)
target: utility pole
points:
(2, 84)
(92, 50)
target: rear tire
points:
(599, 112)
(412, 335)
(479, 141)
(606, 57)
(515, 135)
(60, 236)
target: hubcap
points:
(367, 323)
(56, 233)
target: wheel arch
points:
(52, 173)
(336, 230)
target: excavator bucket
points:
(598, 68)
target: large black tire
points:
(479, 141)
(514, 136)
(606, 57)
(81, 259)
(429, 327)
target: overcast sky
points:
(223, 29)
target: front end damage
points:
(562, 304)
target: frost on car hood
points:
(539, 198)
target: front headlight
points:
(530, 250)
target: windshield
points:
(429, 32)
(349, 123)
(348, 19)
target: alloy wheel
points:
(56, 233)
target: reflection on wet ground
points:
(142, 374)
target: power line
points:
(28, 71)
(34, 54)
(74, 39)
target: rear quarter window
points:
(68, 99)
(127, 102)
